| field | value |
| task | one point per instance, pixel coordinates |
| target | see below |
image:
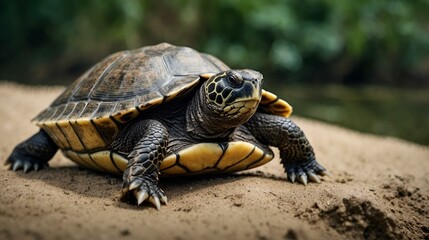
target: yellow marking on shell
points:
(281, 108)
(168, 162)
(120, 161)
(88, 134)
(181, 89)
(267, 97)
(236, 151)
(200, 156)
(102, 158)
(271, 104)
(253, 157)
(151, 103)
(175, 170)
(75, 157)
(126, 116)
(87, 159)
(207, 75)
(198, 159)
(70, 135)
(263, 161)
(107, 128)
(55, 133)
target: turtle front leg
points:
(141, 174)
(296, 153)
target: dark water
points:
(402, 113)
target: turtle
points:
(166, 110)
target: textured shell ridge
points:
(139, 78)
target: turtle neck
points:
(201, 123)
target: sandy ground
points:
(378, 189)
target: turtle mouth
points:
(241, 107)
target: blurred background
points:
(360, 64)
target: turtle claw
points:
(135, 184)
(17, 162)
(292, 177)
(27, 167)
(17, 165)
(155, 201)
(303, 179)
(164, 199)
(141, 196)
(313, 177)
(36, 167)
(144, 189)
(306, 171)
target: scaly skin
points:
(141, 175)
(296, 153)
(32, 154)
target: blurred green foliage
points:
(402, 113)
(314, 42)
(367, 41)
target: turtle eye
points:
(234, 80)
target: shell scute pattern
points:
(90, 114)
(110, 94)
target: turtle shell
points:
(270, 103)
(89, 114)
(200, 158)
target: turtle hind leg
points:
(32, 154)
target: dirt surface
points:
(378, 189)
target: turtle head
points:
(233, 96)
(224, 101)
